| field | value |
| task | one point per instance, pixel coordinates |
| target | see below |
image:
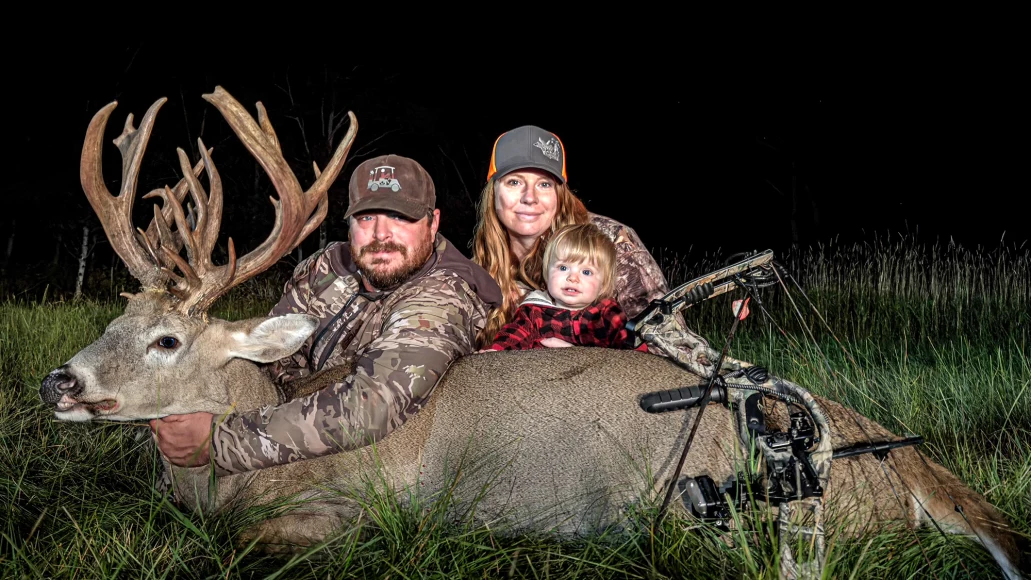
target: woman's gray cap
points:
(526, 147)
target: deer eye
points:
(168, 342)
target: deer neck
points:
(242, 385)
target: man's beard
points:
(412, 259)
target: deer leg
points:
(290, 534)
(940, 498)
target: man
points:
(398, 301)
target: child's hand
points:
(553, 342)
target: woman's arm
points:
(639, 280)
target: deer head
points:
(164, 355)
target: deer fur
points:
(564, 451)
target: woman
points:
(525, 200)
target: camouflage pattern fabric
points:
(639, 280)
(400, 343)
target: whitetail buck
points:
(553, 439)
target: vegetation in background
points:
(928, 340)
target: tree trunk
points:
(57, 249)
(111, 276)
(9, 250)
(794, 208)
(82, 262)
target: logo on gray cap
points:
(549, 149)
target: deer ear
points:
(266, 340)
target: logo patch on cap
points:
(383, 176)
(550, 149)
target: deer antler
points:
(135, 248)
(153, 256)
(115, 212)
(154, 231)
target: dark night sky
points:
(686, 160)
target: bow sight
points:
(789, 472)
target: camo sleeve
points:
(296, 295)
(639, 280)
(394, 376)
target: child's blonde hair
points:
(584, 243)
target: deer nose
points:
(58, 384)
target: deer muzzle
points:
(62, 390)
(58, 385)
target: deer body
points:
(568, 452)
(563, 452)
(543, 440)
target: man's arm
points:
(394, 376)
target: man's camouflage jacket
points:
(399, 341)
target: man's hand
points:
(184, 439)
(552, 342)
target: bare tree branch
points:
(765, 141)
(465, 188)
(359, 153)
(304, 136)
(770, 183)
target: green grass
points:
(939, 349)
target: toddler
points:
(579, 267)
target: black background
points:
(932, 150)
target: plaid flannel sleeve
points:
(520, 333)
(613, 320)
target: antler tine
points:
(159, 223)
(213, 218)
(194, 246)
(200, 238)
(336, 163)
(180, 191)
(115, 213)
(198, 232)
(293, 208)
(318, 192)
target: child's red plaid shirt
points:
(602, 324)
